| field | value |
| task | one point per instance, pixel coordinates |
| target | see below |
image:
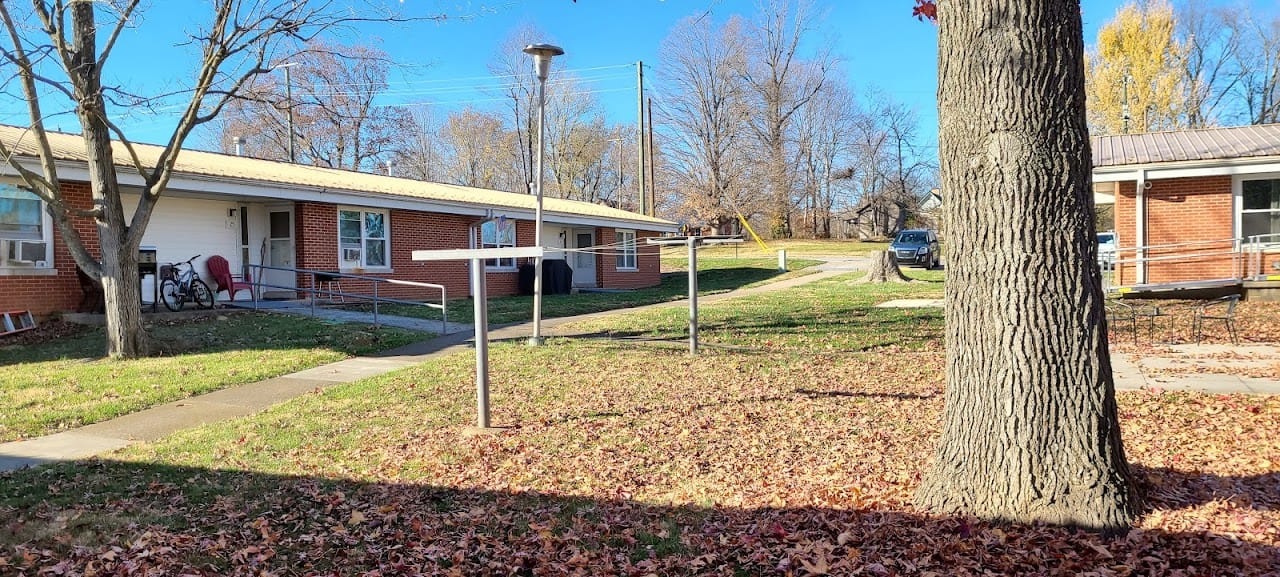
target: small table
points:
(330, 283)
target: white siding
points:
(181, 228)
(555, 237)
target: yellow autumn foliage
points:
(1139, 43)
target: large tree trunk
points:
(1030, 432)
(125, 334)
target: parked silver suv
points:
(916, 246)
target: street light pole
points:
(542, 55)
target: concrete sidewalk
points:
(1206, 368)
(159, 421)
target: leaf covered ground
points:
(778, 455)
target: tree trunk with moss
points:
(1030, 430)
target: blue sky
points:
(878, 43)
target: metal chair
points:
(1118, 312)
(1219, 309)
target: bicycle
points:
(178, 288)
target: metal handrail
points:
(1246, 253)
(315, 290)
(1255, 249)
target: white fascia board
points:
(242, 188)
(1162, 171)
(581, 220)
(479, 253)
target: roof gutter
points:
(1189, 168)
(232, 186)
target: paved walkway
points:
(159, 421)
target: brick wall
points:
(648, 266)
(1179, 210)
(316, 229)
(46, 294)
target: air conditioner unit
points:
(27, 251)
(351, 254)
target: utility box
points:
(146, 261)
(147, 266)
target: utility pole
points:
(288, 97)
(653, 182)
(640, 132)
(620, 168)
(1124, 103)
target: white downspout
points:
(1140, 227)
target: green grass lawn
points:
(716, 276)
(796, 248)
(793, 449)
(65, 383)
(834, 315)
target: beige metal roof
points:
(1260, 140)
(70, 147)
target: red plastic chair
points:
(220, 271)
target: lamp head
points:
(542, 55)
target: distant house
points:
(1193, 206)
(253, 211)
(883, 216)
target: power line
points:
(484, 77)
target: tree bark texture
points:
(126, 336)
(1030, 431)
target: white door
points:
(584, 263)
(280, 251)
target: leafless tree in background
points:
(577, 145)
(825, 131)
(1211, 43)
(1258, 61)
(474, 145)
(519, 85)
(704, 109)
(892, 172)
(781, 83)
(419, 155)
(336, 120)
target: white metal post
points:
(542, 55)
(693, 295)
(480, 301)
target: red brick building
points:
(1193, 205)
(259, 212)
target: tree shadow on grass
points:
(696, 407)
(1171, 489)
(114, 517)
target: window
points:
(497, 234)
(1260, 211)
(25, 230)
(626, 243)
(362, 239)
